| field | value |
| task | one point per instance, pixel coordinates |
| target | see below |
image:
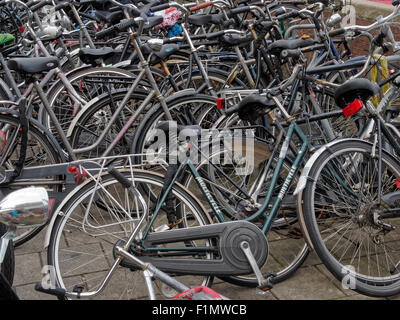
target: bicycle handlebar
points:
(40, 5)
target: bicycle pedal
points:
(174, 224)
(266, 286)
(263, 291)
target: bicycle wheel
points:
(39, 152)
(348, 229)
(88, 84)
(83, 237)
(92, 121)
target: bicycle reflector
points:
(352, 108)
(220, 103)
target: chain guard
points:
(230, 260)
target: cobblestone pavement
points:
(311, 281)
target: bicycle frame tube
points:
(115, 115)
(162, 200)
(293, 129)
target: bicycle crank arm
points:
(228, 236)
(263, 284)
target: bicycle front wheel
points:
(100, 215)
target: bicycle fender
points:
(123, 64)
(303, 182)
(68, 74)
(57, 211)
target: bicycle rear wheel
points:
(354, 237)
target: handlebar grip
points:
(286, 16)
(290, 53)
(106, 32)
(125, 24)
(215, 34)
(201, 6)
(160, 7)
(232, 110)
(228, 23)
(120, 177)
(240, 10)
(378, 39)
(29, 3)
(40, 5)
(135, 12)
(61, 6)
(336, 32)
(324, 2)
(115, 9)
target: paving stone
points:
(312, 260)
(307, 284)
(27, 269)
(360, 297)
(396, 297)
(33, 245)
(27, 292)
(334, 281)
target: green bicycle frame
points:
(263, 210)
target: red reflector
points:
(352, 108)
(220, 103)
(397, 183)
(51, 202)
(21, 29)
